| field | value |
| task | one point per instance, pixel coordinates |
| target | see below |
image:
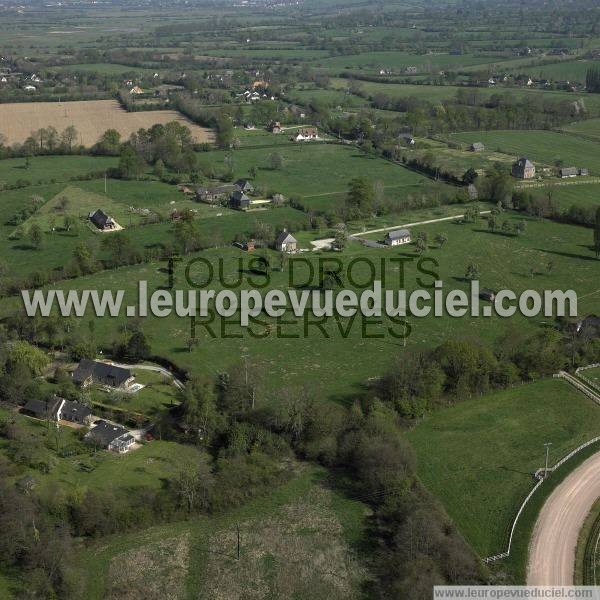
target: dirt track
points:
(554, 540)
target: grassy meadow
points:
(299, 542)
(478, 457)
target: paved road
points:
(552, 548)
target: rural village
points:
(306, 146)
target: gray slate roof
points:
(100, 219)
(104, 432)
(74, 411)
(101, 373)
(41, 408)
(397, 234)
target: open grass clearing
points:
(478, 457)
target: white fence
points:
(588, 392)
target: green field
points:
(49, 169)
(567, 70)
(478, 456)
(593, 375)
(587, 128)
(312, 170)
(542, 146)
(567, 195)
(291, 542)
(316, 358)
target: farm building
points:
(306, 134)
(101, 220)
(408, 139)
(214, 195)
(477, 147)
(136, 91)
(275, 127)
(110, 436)
(92, 371)
(583, 172)
(472, 191)
(239, 201)
(568, 172)
(523, 169)
(286, 242)
(397, 237)
(243, 185)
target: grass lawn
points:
(592, 375)
(541, 146)
(159, 394)
(478, 456)
(83, 469)
(581, 194)
(292, 540)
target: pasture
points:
(546, 147)
(300, 542)
(90, 118)
(478, 457)
(296, 352)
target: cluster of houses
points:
(236, 195)
(102, 433)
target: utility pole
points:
(105, 183)
(547, 446)
(238, 540)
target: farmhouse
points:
(92, 371)
(214, 195)
(306, 134)
(239, 201)
(275, 127)
(74, 412)
(286, 242)
(397, 237)
(523, 169)
(477, 147)
(102, 221)
(110, 436)
(243, 185)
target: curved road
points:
(554, 540)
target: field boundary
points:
(540, 474)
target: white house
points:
(398, 237)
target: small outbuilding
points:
(477, 147)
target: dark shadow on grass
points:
(568, 254)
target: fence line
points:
(540, 474)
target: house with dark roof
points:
(286, 242)
(243, 185)
(43, 409)
(397, 237)
(74, 412)
(110, 436)
(239, 201)
(523, 169)
(101, 220)
(92, 371)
